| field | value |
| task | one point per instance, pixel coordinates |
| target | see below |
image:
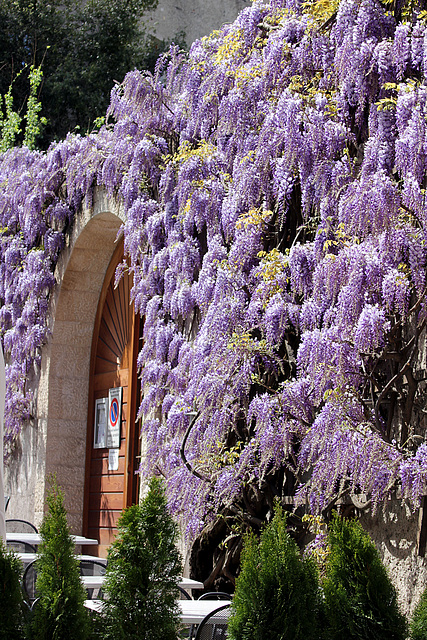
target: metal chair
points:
(14, 525)
(214, 625)
(29, 579)
(92, 568)
(20, 547)
(28, 611)
(6, 502)
(209, 595)
(183, 594)
(215, 595)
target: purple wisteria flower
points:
(273, 182)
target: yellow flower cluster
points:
(232, 46)
(186, 151)
(321, 10)
(243, 342)
(255, 217)
(273, 263)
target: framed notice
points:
(113, 459)
(114, 422)
(100, 430)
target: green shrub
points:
(60, 613)
(11, 601)
(418, 625)
(277, 592)
(142, 573)
(360, 600)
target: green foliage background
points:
(418, 625)
(60, 613)
(360, 600)
(11, 122)
(277, 595)
(11, 602)
(82, 47)
(142, 573)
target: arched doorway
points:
(56, 442)
(111, 480)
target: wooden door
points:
(113, 364)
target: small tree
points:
(11, 121)
(11, 601)
(142, 573)
(277, 593)
(60, 613)
(360, 600)
(418, 625)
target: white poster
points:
(100, 427)
(113, 459)
(114, 417)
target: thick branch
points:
(409, 403)
(182, 450)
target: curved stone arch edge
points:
(55, 441)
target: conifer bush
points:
(142, 573)
(277, 594)
(418, 626)
(11, 600)
(360, 600)
(60, 613)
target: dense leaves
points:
(277, 592)
(83, 49)
(142, 573)
(274, 188)
(60, 612)
(11, 601)
(418, 626)
(360, 600)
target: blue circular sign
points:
(114, 412)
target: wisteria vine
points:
(274, 186)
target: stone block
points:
(83, 281)
(67, 332)
(70, 362)
(68, 399)
(77, 305)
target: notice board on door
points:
(114, 417)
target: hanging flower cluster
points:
(274, 187)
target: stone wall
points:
(394, 532)
(55, 440)
(196, 18)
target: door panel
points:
(113, 364)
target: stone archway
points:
(62, 406)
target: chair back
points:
(215, 595)
(29, 579)
(214, 625)
(92, 568)
(183, 594)
(20, 547)
(14, 525)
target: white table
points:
(35, 539)
(188, 583)
(98, 581)
(94, 605)
(26, 558)
(191, 611)
(92, 582)
(184, 583)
